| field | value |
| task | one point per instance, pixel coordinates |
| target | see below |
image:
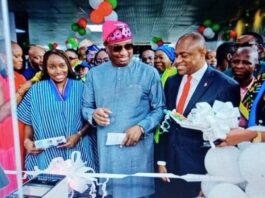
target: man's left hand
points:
(132, 136)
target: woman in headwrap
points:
(164, 59)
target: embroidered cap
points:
(115, 31)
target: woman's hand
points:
(238, 135)
(30, 147)
(71, 141)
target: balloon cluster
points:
(242, 168)
(80, 26)
(209, 28)
(156, 42)
(229, 34)
(71, 43)
(103, 10)
(53, 45)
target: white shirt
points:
(196, 77)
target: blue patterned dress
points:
(51, 114)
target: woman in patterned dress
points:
(52, 108)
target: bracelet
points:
(161, 163)
(80, 134)
(258, 138)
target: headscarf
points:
(169, 51)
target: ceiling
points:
(50, 20)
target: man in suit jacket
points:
(182, 150)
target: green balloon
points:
(216, 27)
(50, 45)
(82, 31)
(75, 27)
(71, 40)
(113, 3)
(207, 22)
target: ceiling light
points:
(95, 28)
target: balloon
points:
(216, 27)
(226, 37)
(201, 29)
(95, 3)
(207, 22)
(233, 34)
(153, 46)
(223, 162)
(252, 163)
(74, 27)
(50, 46)
(105, 8)
(82, 31)
(208, 33)
(96, 17)
(68, 46)
(113, 3)
(71, 40)
(112, 17)
(226, 190)
(82, 22)
(55, 45)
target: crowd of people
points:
(90, 94)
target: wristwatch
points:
(141, 128)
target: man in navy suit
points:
(182, 150)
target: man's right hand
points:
(101, 116)
(163, 169)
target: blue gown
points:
(52, 114)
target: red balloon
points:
(96, 17)
(233, 34)
(82, 22)
(201, 29)
(105, 8)
(55, 45)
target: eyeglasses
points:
(243, 62)
(101, 60)
(118, 48)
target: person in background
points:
(35, 60)
(211, 58)
(72, 56)
(164, 59)
(243, 65)
(148, 57)
(90, 54)
(83, 45)
(182, 150)
(125, 97)
(255, 40)
(224, 54)
(81, 70)
(101, 57)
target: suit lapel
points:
(174, 91)
(202, 87)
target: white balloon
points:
(255, 190)
(208, 33)
(111, 17)
(153, 46)
(252, 163)
(226, 190)
(207, 186)
(223, 162)
(95, 3)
